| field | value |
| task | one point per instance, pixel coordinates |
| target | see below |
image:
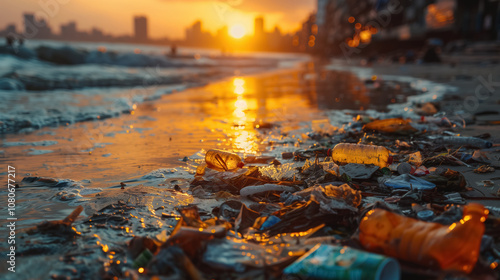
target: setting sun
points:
(237, 31)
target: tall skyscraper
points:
(321, 11)
(34, 28)
(141, 28)
(259, 27)
(29, 23)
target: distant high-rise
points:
(29, 23)
(321, 11)
(68, 31)
(36, 28)
(141, 28)
(259, 27)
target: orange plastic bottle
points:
(362, 154)
(454, 247)
(223, 160)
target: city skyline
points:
(226, 38)
(164, 17)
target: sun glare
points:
(237, 31)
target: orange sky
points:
(166, 17)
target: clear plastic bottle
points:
(218, 159)
(464, 141)
(362, 154)
(454, 247)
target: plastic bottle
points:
(223, 160)
(395, 126)
(454, 247)
(362, 154)
(464, 141)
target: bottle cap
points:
(404, 168)
(425, 215)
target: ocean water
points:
(49, 83)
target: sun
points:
(237, 31)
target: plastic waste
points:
(464, 141)
(415, 159)
(395, 126)
(407, 181)
(270, 221)
(358, 171)
(337, 262)
(405, 168)
(143, 259)
(454, 247)
(441, 121)
(223, 160)
(361, 154)
(423, 213)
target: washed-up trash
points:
(246, 218)
(358, 171)
(302, 216)
(251, 190)
(447, 180)
(343, 193)
(415, 159)
(361, 154)
(405, 168)
(454, 247)
(484, 169)
(60, 227)
(424, 214)
(454, 198)
(238, 255)
(230, 181)
(452, 214)
(392, 126)
(228, 210)
(270, 221)
(260, 159)
(173, 262)
(407, 181)
(222, 160)
(420, 171)
(277, 173)
(336, 262)
(463, 141)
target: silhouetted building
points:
(69, 31)
(34, 28)
(141, 28)
(259, 27)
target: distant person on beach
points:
(9, 40)
(173, 50)
(21, 42)
(433, 51)
(431, 55)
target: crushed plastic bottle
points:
(223, 160)
(407, 181)
(454, 247)
(464, 141)
(361, 154)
